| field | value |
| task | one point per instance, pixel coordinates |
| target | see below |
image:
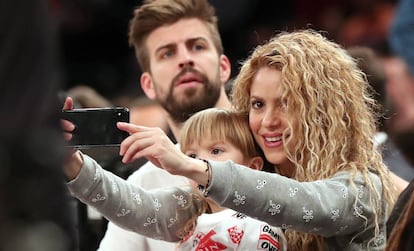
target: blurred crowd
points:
(92, 35)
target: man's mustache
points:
(188, 69)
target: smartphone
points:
(96, 127)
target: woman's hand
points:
(73, 160)
(153, 144)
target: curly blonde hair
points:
(325, 91)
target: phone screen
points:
(96, 127)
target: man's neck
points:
(222, 102)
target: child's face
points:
(217, 151)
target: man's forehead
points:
(179, 32)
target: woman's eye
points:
(257, 104)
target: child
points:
(212, 134)
(220, 135)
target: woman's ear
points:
(147, 85)
(256, 163)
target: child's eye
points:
(192, 155)
(216, 151)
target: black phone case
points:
(96, 127)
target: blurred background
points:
(92, 34)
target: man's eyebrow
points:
(188, 41)
(194, 40)
(166, 46)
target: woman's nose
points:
(271, 119)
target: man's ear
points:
(256, 163)
(147, 85)
(225, 69)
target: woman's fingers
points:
(153, 144)
(141, 138)
(66, 125)
(68, 105)
(131, 128)
(67, 136)
(131, 147)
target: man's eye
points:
(198, 47)
(167, 54)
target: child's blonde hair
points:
(221, 125)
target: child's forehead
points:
(208, 142)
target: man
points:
(179, 49)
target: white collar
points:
(380, 138)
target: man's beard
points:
(193, 99)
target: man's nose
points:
(187, 63)
(186, 59)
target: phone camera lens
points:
(119, 114)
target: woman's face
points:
(267, 116)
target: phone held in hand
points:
(96, 127)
